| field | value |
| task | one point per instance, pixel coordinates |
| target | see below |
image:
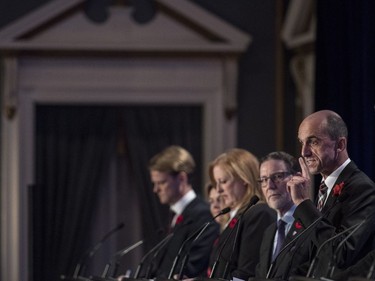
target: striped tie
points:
(322, 195)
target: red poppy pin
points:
(338, 189)
(179, 219)
(233, 223)
(298, 225)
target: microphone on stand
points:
(196, 235)
(371, 271)
(252, 202)
(155, 250)
(341, 198)
(115, 258)
(331, 264)
(91, 251)
(186, 257)
(353, 228)
(312, 225)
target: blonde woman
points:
(234, 175)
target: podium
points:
(119, 278)
(264, 279)
(303, 278)
(359, 279)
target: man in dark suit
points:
(346, 199)
(170, 171)
(276, 169)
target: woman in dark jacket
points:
(236, 253)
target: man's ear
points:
(182, 177)
(341, 144)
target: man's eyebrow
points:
(310, 137)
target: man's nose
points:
(305, 150)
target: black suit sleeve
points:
(265, 251)
(195, 215)
(201, 248)
(358, 205)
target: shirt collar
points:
(233, 213)
(332, 178)
(181, 204)
(288, 216)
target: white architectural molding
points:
(55, 55)
(300, 24)
(298, 33)
(121, 33)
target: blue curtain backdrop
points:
(345, 72)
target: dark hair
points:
(291, 163)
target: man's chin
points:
(163, 201)
(313, 170)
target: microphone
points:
(371, 271)
(195, 235)
(155, 250)
(341, 198)
(353, 228)
(117, 256)
(331, 265)
(252, 202)
(91, 251)
(186, 257)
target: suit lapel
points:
(268, 250)
(345, 174)
(294, 230)
(229, 230)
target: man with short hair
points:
(276, 168)
(170, 172)
(346, 198)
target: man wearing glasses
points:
(276, 169)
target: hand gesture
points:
(299, 185)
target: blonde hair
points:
(240, 164)
(173, 159)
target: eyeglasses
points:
(276, 178)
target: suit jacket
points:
(360, 270)
(355, 203)
(194, 217)
(287, 262)
(242, 258)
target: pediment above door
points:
(178, 25)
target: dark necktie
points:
(171, 217)
(280, 237)
(322, 195)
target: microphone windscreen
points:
(254, 200)
(225, 211)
